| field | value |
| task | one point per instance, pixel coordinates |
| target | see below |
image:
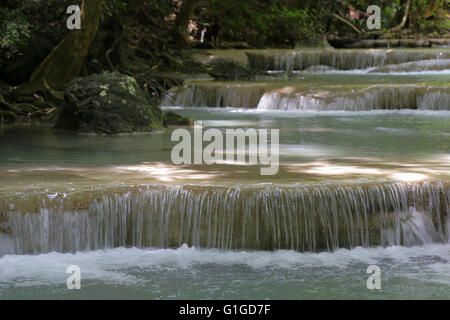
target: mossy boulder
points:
(171, 118)
(107, 103)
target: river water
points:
(363, 180)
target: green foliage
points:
(262, 23)
(114, 8)
(14, 32)
(388, 13)
(45, 14)
(19, 19)
(120, 5)
(161, 8)
(291, 25)
(393, 11)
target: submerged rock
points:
(314, 43)
(107, 103)
(229, 70)
(319, 68)
(416, 66)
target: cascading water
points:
(302, 218)
(433, 99)
(316, 95)
(338, 59)
(345, 182)
(230, 95)
(373, 97)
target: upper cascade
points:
(290, 60)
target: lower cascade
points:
(253, 217)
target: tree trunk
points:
(67, 59)
(432, 7)
(182, 21)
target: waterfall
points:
(371, 98)
(338, 59)
(213, 95)
(312, 99)
(433, 99)
(253, 217)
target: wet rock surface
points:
(416, 66)
(229, 70)
(107, 103)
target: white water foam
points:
(430, 263)
(311, 113)
(369, 71)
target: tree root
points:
(402, 23)
(44, 112)
(56, 95)
(8, 113)
(25, 107)
(5, 104)
(19, 110)
(348, 23)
